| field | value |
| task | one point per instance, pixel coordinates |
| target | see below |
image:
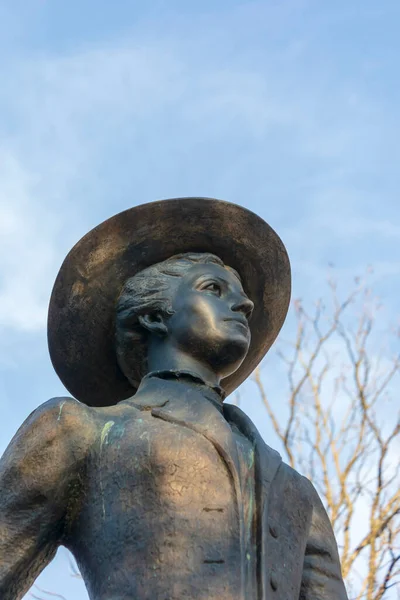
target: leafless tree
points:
(340, 426)
(36, 590)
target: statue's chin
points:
(232, 359)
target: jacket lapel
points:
(201, 416)
(268, 459)
(267, 462)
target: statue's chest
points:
(155, 464)
(161, 503)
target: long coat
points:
(44, 477)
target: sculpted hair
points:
(147, 292)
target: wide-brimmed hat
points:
(81, 323)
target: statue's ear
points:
(154, 323)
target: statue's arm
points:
(36, 471)
(322, 576)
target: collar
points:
(214, 393)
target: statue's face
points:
(210, 320)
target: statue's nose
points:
(245, 306)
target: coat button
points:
(273, 581)
(273, 530)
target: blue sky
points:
(289, 108)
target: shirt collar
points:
(215, 393)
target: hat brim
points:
(81, 326)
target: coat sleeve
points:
(36, 472)
(322, 576)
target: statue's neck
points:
(186, 379)
(164, 356)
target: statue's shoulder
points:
(66, 416)
(52, 440)
(58, 420)
(61, 412)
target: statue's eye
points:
(212, 287)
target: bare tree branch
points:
(338, 432)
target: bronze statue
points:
(159, 488)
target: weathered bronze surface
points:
(159, 488)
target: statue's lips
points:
(240, 321)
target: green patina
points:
(60, 411)
(251, 461)
(104, 440)
(251, 493)
(104, 433)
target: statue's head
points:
(193, 303)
